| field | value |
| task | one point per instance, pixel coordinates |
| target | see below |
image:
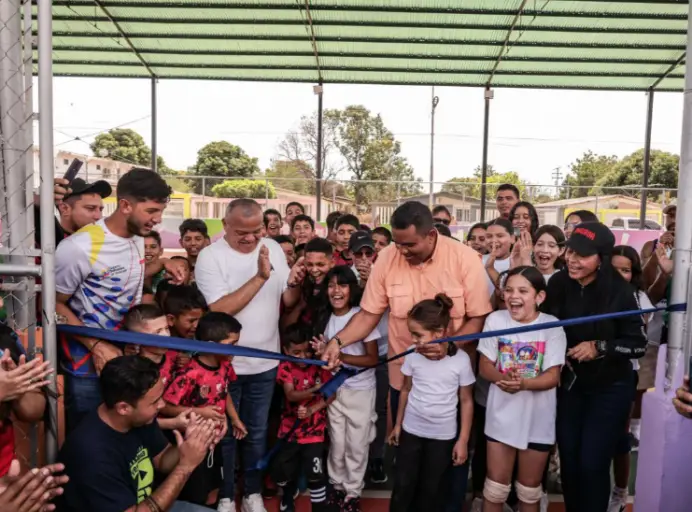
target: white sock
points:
(619, 492)
(636, 427)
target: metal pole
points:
(433, 105)
(154, 128)
(679, 339)
(18, 269)
(45, 102)
(647, 158)
(318, 162)
(484, 172)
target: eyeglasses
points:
(441, 221)
(363, 254)
(570, 225)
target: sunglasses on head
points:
(441, 221)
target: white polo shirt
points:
(221, 270)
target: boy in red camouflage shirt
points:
(202, 386)
(304, 448)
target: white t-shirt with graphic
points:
(103, 272)
(366, 379)
(527, 416)
(431, 411)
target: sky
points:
(532, 132)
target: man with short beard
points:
(100, 272)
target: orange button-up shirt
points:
(453, 269)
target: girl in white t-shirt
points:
(499, 236)
(626, 261)
(352, 414)
(524, 370)
(426, 430)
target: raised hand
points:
(33, 491)
(264, 266)
(16, 380)
(298, 272)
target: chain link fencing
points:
(17, 239)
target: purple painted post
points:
(665, 449)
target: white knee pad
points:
(495, 492)
(528, 495)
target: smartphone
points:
(517, 232)
(569, 378)
(73, 170)
(689, 387)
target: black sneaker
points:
(290, 493)
(351, 505)
(335, 499)
(377, 473)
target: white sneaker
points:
(544, 503)
(477, 505)
(617, 504)
(253, 503)
(226, 505)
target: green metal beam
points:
(391, 40)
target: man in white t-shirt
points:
(99, 273)
(247, 276)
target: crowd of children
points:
(496, 406)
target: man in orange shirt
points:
(417, 266)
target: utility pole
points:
(557, 176)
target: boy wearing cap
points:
(362, 249)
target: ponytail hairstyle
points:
(531, 274)
(434, 315)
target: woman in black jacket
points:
(597, 387)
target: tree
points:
(370, 152)
(300, 146)
(126, 145)
(255, 189)
(471, 187)
(628, 172)
(291, 175)
(586, 172)
(223, 160)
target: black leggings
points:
(418, 476)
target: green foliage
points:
(628, 172)
(602, 174)
(472, 186)
(586, 172)
(291, 175)
(126, 145)
(224, 160)
(370, 152)
(235, 189)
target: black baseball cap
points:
(360, 239)
(79, 187)
(589, 238)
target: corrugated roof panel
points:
(558, 43)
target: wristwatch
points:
(601, 347)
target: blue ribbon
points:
(330, 387)
(180, 344)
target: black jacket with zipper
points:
(625, 336)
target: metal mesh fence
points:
(17, 249)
